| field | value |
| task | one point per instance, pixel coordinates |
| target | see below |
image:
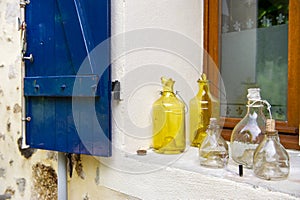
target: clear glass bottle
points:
(202, 107)
(271, 160)
(249, 132)
(168, 121)
(213, 152)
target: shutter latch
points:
(116, 90)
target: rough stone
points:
(45, 182)
(11, 12)
(75, 160)
(12, 72)
(2, 136)
(17, 108)
(28, 152)
(5, 196)
(8, 125)
(9, 191)
(79, 166)
(21, 182)
(86, 197)
(52, 155)
(2, 172)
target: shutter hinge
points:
(116, 90)
(23, 3)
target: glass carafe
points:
(202, 107)
(249, 132)
(213, 152)
(271, 160)
(168, 121)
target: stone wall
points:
(30, 174)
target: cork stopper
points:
(253, 94)
(270, 125)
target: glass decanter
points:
(213, 152)
(271, 160)
(168, 121)
(202, 107)
(249, 132)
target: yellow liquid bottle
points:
(168, 121)
(202, 107)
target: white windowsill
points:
(155, 172)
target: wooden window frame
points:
(289, 130)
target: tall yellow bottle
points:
(202, 107)
(168, 121)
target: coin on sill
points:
(141, 152)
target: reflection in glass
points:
(254, 53)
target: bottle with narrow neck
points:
(168, 116)
(202, 107)
(271, 160)
(213, 152)
(249, 132)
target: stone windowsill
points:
(153, 171)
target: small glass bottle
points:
(271, 160)
(249, 132)
(202, 107)
(213, 152)
(168, 121)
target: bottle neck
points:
(167, 93)
(214, 130)
(203, 89)
(254, 106)
(272, 133)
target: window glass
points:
(254, 53)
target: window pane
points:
(254, 53)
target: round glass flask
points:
(249, 132)
(213, 152)
(271, 160)
(168, 116)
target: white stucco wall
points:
(146, 32)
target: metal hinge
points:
(116, 90)
(23, 3)
(22, 27)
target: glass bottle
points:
(202, 107)
(271, 160)
(213, 152)
(249, 132)
(168, 121)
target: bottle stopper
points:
(254, 94)
(270, 125)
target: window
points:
(289, 127)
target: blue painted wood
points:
(60, 35)
(61, 86)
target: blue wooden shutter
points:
(60, 36)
